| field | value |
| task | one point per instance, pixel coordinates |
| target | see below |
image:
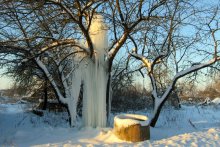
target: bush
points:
(132, 98)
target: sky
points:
(5, 82)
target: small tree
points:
(172, 40)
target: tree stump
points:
(132, 127)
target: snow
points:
(19, 127)
(216, 101)
(125, 120)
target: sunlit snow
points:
(20, 127)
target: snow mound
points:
(212, 130)
(126, 120)
(216, 101)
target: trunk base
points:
(134, 133)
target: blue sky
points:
(6, 82)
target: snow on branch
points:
(146, 62)
(52, 81)
(185, 72)
(117, 46)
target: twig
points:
(192, 124)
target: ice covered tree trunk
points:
(93, 74)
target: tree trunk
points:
(45, 96)
(108, 92)
(108, 101)
(133, 133)
(158, 110)
(156, 116)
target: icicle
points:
(95, 80)
(94, 77)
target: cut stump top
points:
(132, 127)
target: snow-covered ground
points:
(189, 126)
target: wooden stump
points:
(132, 127)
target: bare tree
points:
(169, 40)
